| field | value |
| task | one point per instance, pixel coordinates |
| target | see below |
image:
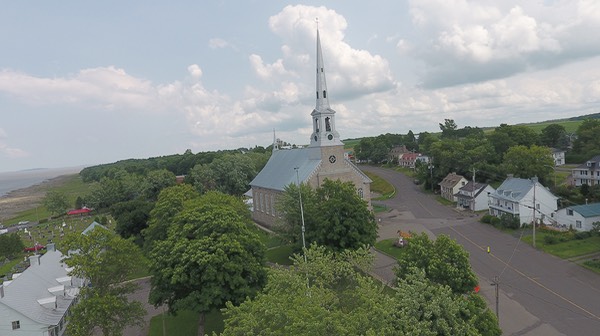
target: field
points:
(381, 187)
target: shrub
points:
(550, 239)
(509, 221)
(582, 235)
(487, 218)
(495, 221)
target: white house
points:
(517, 196)
(37, 301)
(579, 217)
(450, 186)
(559, 156)
(473, 196)
(587, 172)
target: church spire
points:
(275, 142)
(322, 100)
(323, 116)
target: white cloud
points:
(267, 71)
(217, 43)
(195, 71)
(463, 41)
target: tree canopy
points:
(334, 214)
(56, 202)
(331, 294)
(106, 260)
(208, 257)
(443, 260)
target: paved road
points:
(539, 293)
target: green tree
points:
(423, 307)
(132, 217)
(331, 294)
(554, 135)
(230, 174)
(10, 246)
(170, 203)
(327, 295)
(443, 260)
(106, 260)
(209, 257)
(334, 215)
(527, 162)
(56, 202)
(506, 136)
(448, 129)
(156, 181)
(588, 138)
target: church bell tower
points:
(323, 116)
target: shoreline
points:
(19, 200)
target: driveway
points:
(539, 294)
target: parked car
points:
(36, 247)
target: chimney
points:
(534, 179)
(34, 260)
(1, 291)
(51, 247)
(509, 175)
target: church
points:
(323, 159)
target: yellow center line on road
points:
(422, 206)
(528, 277)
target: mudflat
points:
(28, 198)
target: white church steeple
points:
(323, 117)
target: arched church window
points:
(324, 94)
(317, 125)
(327, 124)
(317, 94)
(360, 193)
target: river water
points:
(10, 181)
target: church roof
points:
(280, 170)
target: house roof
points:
(38, 292)
(79, 211)
(584, 165)
(471, 187)
(92, 226)
(557, 150)
(514, 189)
(587, 210)
(409, 156)
(280, 170)
(451, 180)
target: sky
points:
(85, 82)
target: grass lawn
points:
(387, 246)
(186, 323)
(381, 186)
(568, 249)
(593, 265)
(377, 208)
(443, 201)
(281, 254)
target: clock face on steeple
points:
(332, 158)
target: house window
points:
(268, 208)
(578, 224)
(537, 206)
(16, 325)
(569, 212)
(273, 205)
(360, 193)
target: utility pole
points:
(431, 172)
(473, 189)
(496, 284)
(301, 211)
(534, 183)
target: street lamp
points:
(301, 211)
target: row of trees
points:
(329, 293)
